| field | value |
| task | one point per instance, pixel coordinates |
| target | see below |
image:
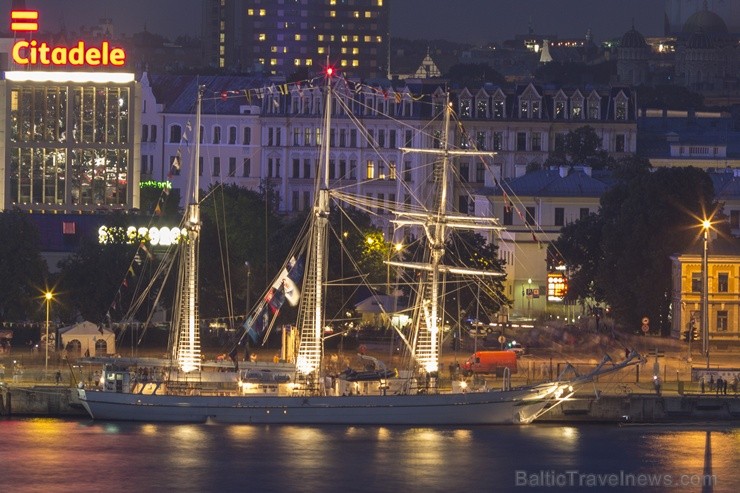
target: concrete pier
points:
(645, 408)
(48, 401)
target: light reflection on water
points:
(59, 456)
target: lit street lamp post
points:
(705, 291)
(48, 296)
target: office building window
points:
(583, 212)
(529, 219)
(247, 167)
(247, 136)
(696, 282)
(722, 321)
(296, 168)
(232, 135)
(536, 141)
(619, 143)
(521, 141)
(508, 218)
(498, 141)
(559, 216)
(216, 135)
(216, 166)
(232, 166)
(370, 167)
(723, 283)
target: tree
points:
(235, 222)
(578, 249)
(97, 277)
(469, 249)
(22, 270)
(622, 254)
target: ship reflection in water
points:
(59, 456)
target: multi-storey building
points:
(533, 208)
(284, 36)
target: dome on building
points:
(632, 39)
(706, 21)
(700, 41)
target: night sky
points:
(474, 21)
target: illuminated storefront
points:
(69, 141)
(70, 130)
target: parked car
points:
(516, 348)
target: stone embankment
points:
(42, 400)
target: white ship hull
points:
(517, 406)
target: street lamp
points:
(706, 224)
(48, 296)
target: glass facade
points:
(69, 146)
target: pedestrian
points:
(58, 377)
(718, 389)
(711, 382)
(702, 385)
(724, 386)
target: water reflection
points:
(146, 457)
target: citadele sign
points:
(33, 52)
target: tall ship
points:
(305, 393)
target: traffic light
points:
(694, 330)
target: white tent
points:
(88, 339)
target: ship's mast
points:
(426, 343)
(312, 318)
(187, 344)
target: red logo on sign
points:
(24, 20)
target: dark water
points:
(51, 456)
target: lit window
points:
(320, 37)
(250, 11)
(262, 12)
(343, 63)
(355, 63)
(355, 38)
(273, 49)
(345, 38)
(297, 37)
(368, 14)
(355, 51)
(321, 50)
(309, 62)
(273, 61)
(332, 13)
(262, 36)
(380, 3)
(367, 39)
(297, 61)
(370, 170)
(332, 2)
(344, 50)
(356, 14)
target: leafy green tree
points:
(234, 226)
(470, 249)
(97, 278)
(622, 254)
(22, 270)
(578, 248)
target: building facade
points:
(723, 294)
(71, 141)
(284, 36)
